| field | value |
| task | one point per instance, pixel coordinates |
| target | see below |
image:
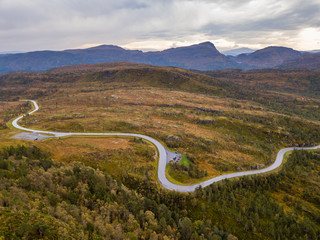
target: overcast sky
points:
(27, 25)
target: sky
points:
(27, 25)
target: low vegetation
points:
(222, 124)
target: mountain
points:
(43, 60)
(106, 53)
(307, 61)
(238, 51)
(267, 58)
(202, 56)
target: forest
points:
(42, 199)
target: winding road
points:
(163, 156)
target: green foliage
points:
(21, 151)
(250, 200)
(144, 149)
(76, 198)
(186, 228)
(192, 170)
(73, 201)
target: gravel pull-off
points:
(31, 136)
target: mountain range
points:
(203, 56)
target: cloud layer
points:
(157, 24)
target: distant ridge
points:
(203, 56)
(307, 61)
(268, 57)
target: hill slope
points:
(232, 121)
(307, 61)
(201, 56)
(267, 58)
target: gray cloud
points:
(60, 24)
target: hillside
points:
(75, 201)
(79, 202)
(202, 56)
(221, 121)
(177, 106)
(267, 58)
(297, 81)
(307, 61)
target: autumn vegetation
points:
(106, 188)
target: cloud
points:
(308, 38)
(154, 24)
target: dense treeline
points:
(43, 199)
(254, 201)
(261, 207)
(192, 170)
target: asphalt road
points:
(163, 156)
